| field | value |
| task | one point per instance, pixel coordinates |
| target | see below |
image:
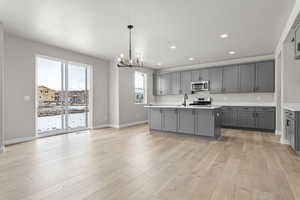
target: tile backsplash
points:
(219, 98)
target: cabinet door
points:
(200, 75)
(204, 122)
(265, 120)
(229, 118)
(245, 119)
(174, 83)
(230, 79)
(155, 118)
(169, 117)
(186, 121)
(291, 133)
(185, 82)
(215, 77)
(247, 77)
(165, 81)
(265, 77)
(156, 88)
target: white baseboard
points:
(101, 126)
(283, 141)
(19, 140)
(277, 132)
(132, 124)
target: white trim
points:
(220, 63)
(19, 140)
(101, 126)
(283, 141)
(289, 24)
(132, 124)
(277, 132)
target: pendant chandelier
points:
(130, 62)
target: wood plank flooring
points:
(133, 163)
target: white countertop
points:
(292, 106)
(250, 104)
(210, 107)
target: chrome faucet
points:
(185, 97)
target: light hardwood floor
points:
(132, 163)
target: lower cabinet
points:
(292, 133)
(155, 117)
(262, 118)
(265, 120)
(208, 123)
(229, 117)
(186, 121)
(245, 119)
(169, 120)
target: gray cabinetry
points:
(185, 82)
(156, 87)
(155, 118)
(230, 79)
(265, 76)
(265, 118)
(174, 83)
(292, 133)
(216, 78)
(165, 81)
(229, 117)
(204, 120)
(186, 121)
(247, 78)
(246, 118)
(169, 120)
(261, 118)
(200, 75)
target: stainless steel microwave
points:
(199, 86)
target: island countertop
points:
(208, 107)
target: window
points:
(140, 87)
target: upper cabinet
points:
(265, 77)
(174, 83)
(185, 82)
(230, 79)
(246, 78)
(240, 78)
(216, 78)
(200, 75)
(156, 87)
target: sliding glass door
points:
(62, 96)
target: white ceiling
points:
(98, 27)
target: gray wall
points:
(291, 74)
(123, 110)
(129, 112)
(113, 95)
(20, 81)
(1, 85)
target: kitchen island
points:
(193, 120)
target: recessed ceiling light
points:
(223, 36)
(173, 47)
(232, 52)
(191, 59)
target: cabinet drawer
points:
(250, 109)
(267, 109)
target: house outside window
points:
(140, 87)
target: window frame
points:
(145, 100)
